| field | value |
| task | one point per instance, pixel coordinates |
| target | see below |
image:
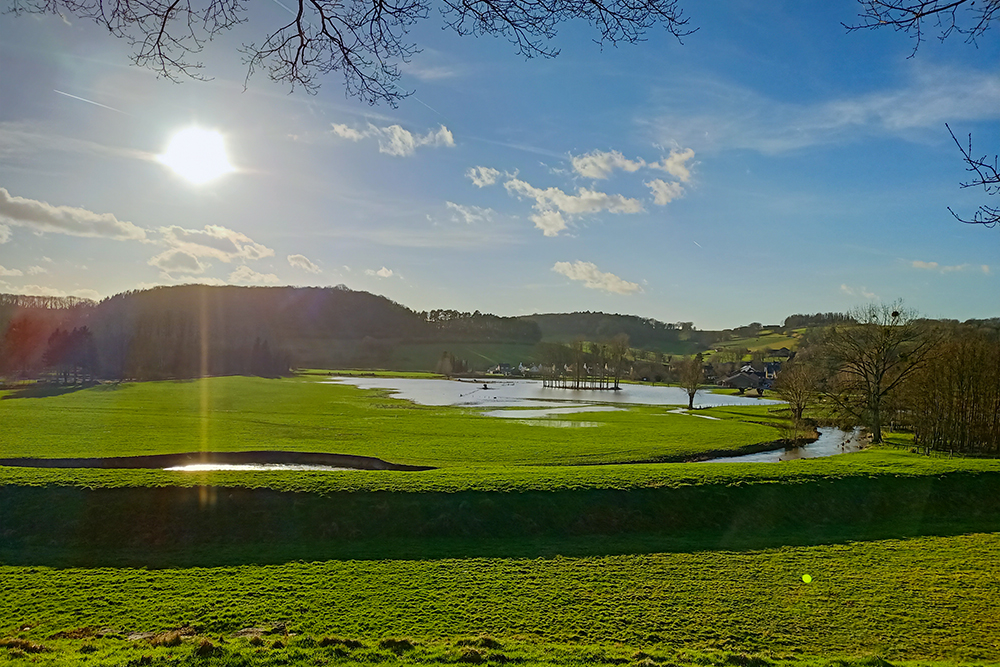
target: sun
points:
(197, 155)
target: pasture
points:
(516, 549)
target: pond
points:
(531, 393)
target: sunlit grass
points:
(928, 599)
(303, 414)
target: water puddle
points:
(683, 411)
(559, 423)
(210, 467)
(549, 412)
(530, 393)
(832, 441)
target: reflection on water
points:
(204, 467)
(831, 441)
(548, 412)
(531, 393)
(558, 423)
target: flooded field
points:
(531, 393)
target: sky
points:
(773, 163)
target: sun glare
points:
(197, 155)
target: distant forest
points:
(193, 330)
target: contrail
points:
(96, 104)
(431, 108)
(283, 7)
(697, 244)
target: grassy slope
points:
(767, 339)
(301, 414)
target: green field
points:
(774, 340)
(922, 599)
(516, 549)
(304, 415)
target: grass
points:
(514, 551)
(927, 599)
(767, 339)
(302, 414)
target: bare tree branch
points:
(363, 40)
(987, 175)
(910, 16)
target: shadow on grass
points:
(47, 390)
(215, 526)
(589, 546)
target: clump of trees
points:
(72, 354)
(596, 365)
(869, 360)
(954, 401)
(882, 366)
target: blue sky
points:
(772, 164)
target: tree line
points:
(884, 368)
(195, 330)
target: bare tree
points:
(872, 358)
(691, 375)
(798, 384)
(364, 40)
(619, 348)
(579, 355)
(971, 18)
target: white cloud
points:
(483, 176)
(933, 96)
(176, 260)
(214, 241)
(395, 140)
(4, 234)
(552, 201)
(934, 266)
(42, 290)
(598, 164)
(471, 215)
(381, 273)
(348, 132)
(434, 72)
(663, 192)
(35, 270)
(43, 217)
(674, 164)
(302, 262)
(244, 274)
(863, 291)
(585, 201)
(10, 272)
(550, 222)
(593, 278)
